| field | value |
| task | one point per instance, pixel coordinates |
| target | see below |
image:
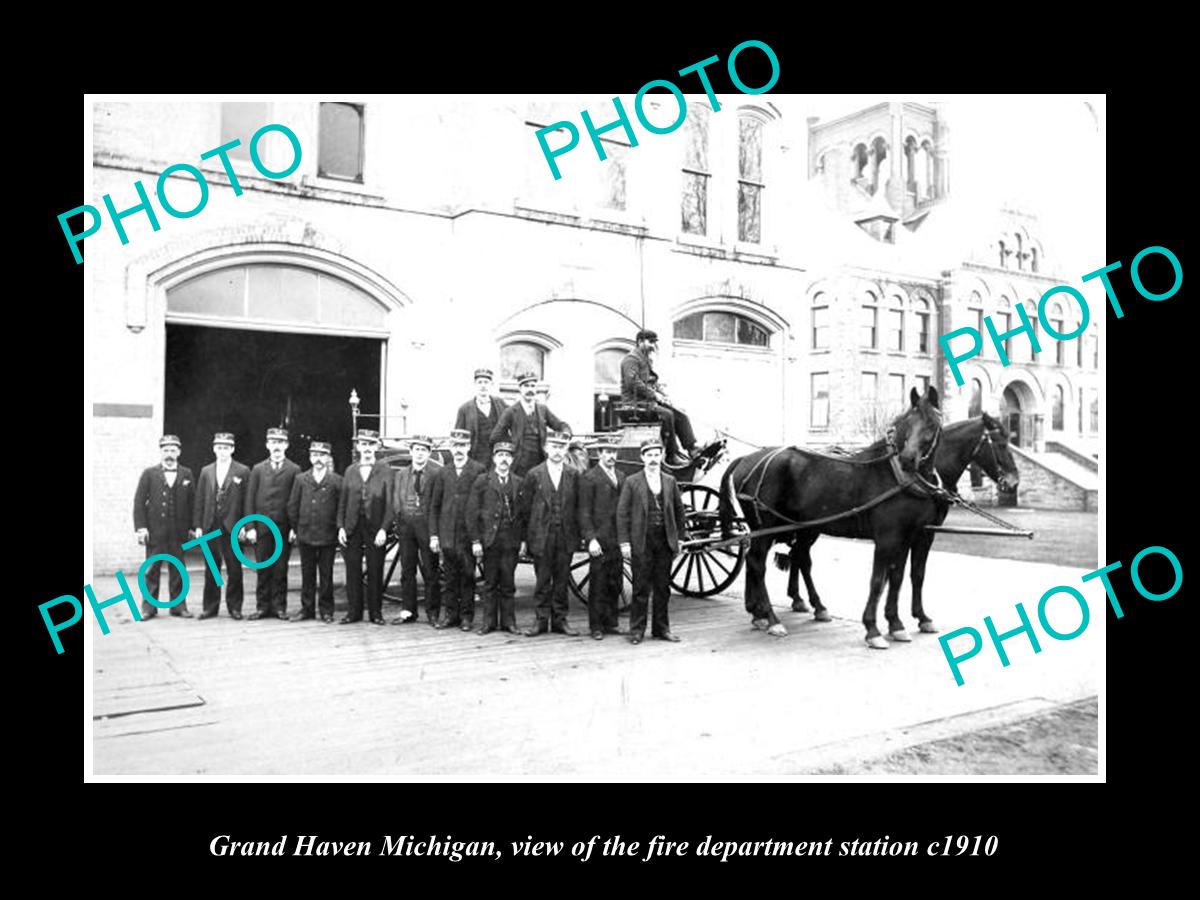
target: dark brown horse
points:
(982, 441)
(786, 486)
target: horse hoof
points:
(799, 606)
(760, 624)
(877, 643)
(822, 615)
(900, 636)
(777, 630)
(928, 628)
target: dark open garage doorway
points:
(222, 379)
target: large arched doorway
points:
(1018, 411)
(269, 341)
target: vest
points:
(656, 523)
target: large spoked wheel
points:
(391, 563)
(705, 571)
(579, 581)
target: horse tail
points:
(726, 504)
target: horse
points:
(981, 441)
(873, 494)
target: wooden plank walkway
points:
(282, 699)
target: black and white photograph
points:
(701, 436)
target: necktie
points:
(275, 467)
(420, 472)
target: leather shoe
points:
(635, 638)
(447, 623)
(303, 617)
(184, 614)
(541, 626)
(236, 616)
(328, 620)
(378, 620)
(205, 615)
(667, 636)
(613, 629)
(597, 635)
(148, 612)
(347, 620)
(678, 461)
(511, 629)
(564, 627)
(466, 625)
(485, 629)
(257, 615)
(281, 616)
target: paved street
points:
(180, 697)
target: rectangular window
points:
(1095, 399)
(820, 400)
(750, 179)
(869, 393)
(895, 329)
(922, 332)
(922, 384)
(1079, 356)
(1060, 350)
(1095, 344)
(340, 142)
(870, 326)
(1081, 412)
(695, 175)
(1005, 327)
(612, 176)
(239, 121)
(820, 328)
(896, 391)
(979, 326)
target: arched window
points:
(606, 377)
(722, 328)
(858, 165)
(750, 178)
(1057, 322)
(1031, 313)
(1094, 347)
(879, 152)
(1004, 317)
(923, 333)
(1020, 252)
(975, 305)
(1004, 254)
(975, 407)
(1056, 414)
(895, 331)
(820, 323)
(519, 357)
(696, 172)
(870, 319)
(1033, 259)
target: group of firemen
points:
(507, 492)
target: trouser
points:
(499, 586)
(173, 548)
(605, 573)
(359, 543)
(553, 568)
(651, 573)
(223, 557)
(270, 594)
(316, 565)
(413, 545)
(458, 591)
(676, 427)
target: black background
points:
(1049, 833)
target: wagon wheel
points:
(392, 549)
(705, 571)
(579, 581)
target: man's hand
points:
(197, 532)
(342, 536)
(251, 536)
(380, 538)
(524, 549)
(434, 545)
(143, 535)
(626, 551)
(594, 547)
(291, 535)
(477, 549)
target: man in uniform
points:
(270, 488)
(411, 499)
(526, 425)
(599, 490)
(312, 510)
(220, 501)
(363, 518)
(448, 532)
(639, 383)
(495, 532)
(479, 416)
(162, 512)
(650, 520)
(548, 505)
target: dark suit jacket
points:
(598, 506)
(448, 506)
(535, 498)
(638, 380)
(481, 444)
(269, 492)
(513, 423)
(379, 498)
(153, 511)
(313, 508)
(633, 511)
(237, 483)
(405, 482)
(485, 504)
